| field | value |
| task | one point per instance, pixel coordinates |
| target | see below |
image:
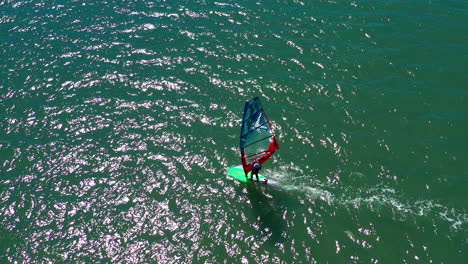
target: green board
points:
(239, 174)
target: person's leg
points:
(255, 173)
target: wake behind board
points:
(239, 174)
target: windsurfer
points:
(255, 169)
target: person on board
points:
(255, 169)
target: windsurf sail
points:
(257, 141)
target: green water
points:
(119, 120)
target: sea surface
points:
(120, 119)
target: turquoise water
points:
(119, 120)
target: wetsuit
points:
(256, 168)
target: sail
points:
(257, 141)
